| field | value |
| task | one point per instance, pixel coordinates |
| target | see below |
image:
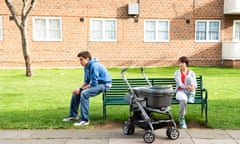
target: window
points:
(47, 29)
(156, 30)
(0, 27)
(103, 30)
(207, 31)
(236, 30)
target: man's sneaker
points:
(69, 119)
(191, 99)
(81, 123)
(182, 124)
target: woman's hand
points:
(190, 87)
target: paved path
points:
(115, 136)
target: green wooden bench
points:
(115, 96)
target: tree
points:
(21, 22)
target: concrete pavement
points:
(115, 136)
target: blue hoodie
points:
(95, 73)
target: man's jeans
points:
(83, 100)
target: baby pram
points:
(146, 101)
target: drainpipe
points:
(136, 17)
(194, 15)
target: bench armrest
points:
(205, 91)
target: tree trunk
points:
(26, 53)
(28, 66)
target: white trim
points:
(156, 21)
(234, 28)
(103, 29)
(47, 23)
(207, 35)
(1, 29)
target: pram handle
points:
(145, 77)
(123, 70)
(125, 78)
(123, 75)
(142, 71)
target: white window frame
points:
(156, 30)
(207, 30)
(1, 29)
(47, 29)
(104, 39)
(234, 30)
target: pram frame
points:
(149, 136)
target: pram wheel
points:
(172, 133)
(128, 128)
(149, 137)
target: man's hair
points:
(184, 59)
(85, 54)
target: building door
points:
(236, 30)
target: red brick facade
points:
(130, 48)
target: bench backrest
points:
(120, 88)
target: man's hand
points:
(76, 91)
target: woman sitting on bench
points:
(186, 85)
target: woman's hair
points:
(85, 54)
(184, 59)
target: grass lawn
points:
(43, 100)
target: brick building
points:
(125, 32)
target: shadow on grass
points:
(221, 114)
(12, 94)
(34, 119)
(224, 113)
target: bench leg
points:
(206, 113)
(204, 109)
(104, 112)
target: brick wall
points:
(231, 63)
(130, 48)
